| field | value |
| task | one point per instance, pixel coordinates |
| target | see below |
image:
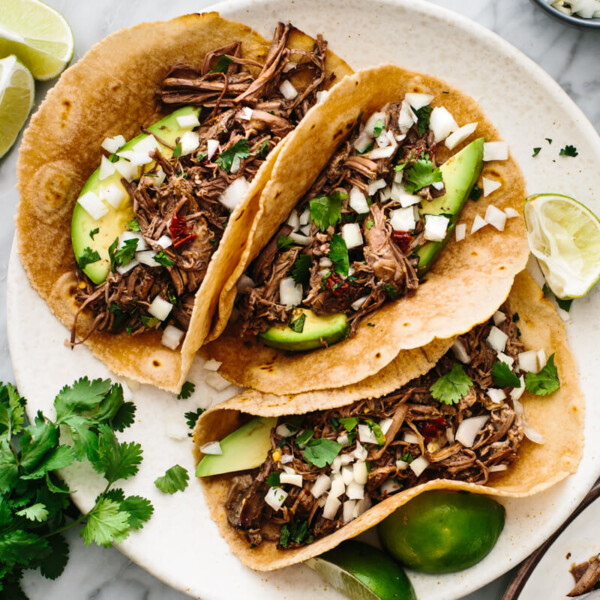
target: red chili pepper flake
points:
(178, 228)
(402, 239)
(336, 285)
(432, 428)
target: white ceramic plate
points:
(180, 545)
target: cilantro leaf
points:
(421, 174)
(222, 64)
(82, 396)
(503, 376)
(175, 479)
(376, 429)
(536, 151)
(321, 452)
(304, 437)
(273, 479)
(139, 510)
(297, 325)
(187, 389)
(11, 411)
(163, 259)
(423, 115)
(301, 269)
(390, 291)
(35, 512)
(192, 416)
(149, 322)
(54, 564)
(240, 149)
(338, 255)
(123, 417)
(133, 225)
(93, 232)
(349, 423)
(116, 460)
(124, 255)
(263, 151)
(88, 257)
(476, 192)
(57, 458)
(284, 536)
(20, 547)
(545, 382)
(284, 242)
(9, 472)
(177, 151)
(568, 150)
(37, 440)
(106, 523)
(452, 386)
(379, 127)
(326, 211)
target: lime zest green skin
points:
(112, 225)
(363, 572)
(460, 173)
(245, 448)
(442, 531)
(331, 328)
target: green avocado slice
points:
(113, 223)
(460, 173)
(245, 448)
(331, 328)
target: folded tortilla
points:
(465, 286)
(110, 91)
(557, 417)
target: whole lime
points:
(443, 532)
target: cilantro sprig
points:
(239, 150)
(326, 211)
(503, 376)
(452, 386)
(321, 452)
(87, 257)
(174, 480)
(545, 382)
(338, 255)
(421, 174)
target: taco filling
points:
(462, 421)
(372, 224)
(149, 219)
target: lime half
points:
(37, 34)
(362, 572)
(564, 236)
(16, 100)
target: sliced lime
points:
(362, 572)
(37, 34)
(564, 236)
(16, 100)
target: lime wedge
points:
(564, 236)
(38, 35)
(16, 100)
(362, 572)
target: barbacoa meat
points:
(586, 576)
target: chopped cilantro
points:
(369, 223)
(338, 255)
(174, 480)
(88, 257)
(187, 389)
(335, 424)
(379, 127)
(563, 304)
(149, 322)
(133, 225)
(239, 150)
(263, 151)
(371, 324)
(295, 531)
(421, 174)
(536, 151)
(162, 259)
(327, 210)
(177, 151)
(367, 149)
(172, 296)
(549, 140)
(349, 423)
(503, 376)
(407, 457)
(192, 416)
(390, 290)
(515, 317)
(222, 64)
(93, 232)
(273, 479)
(568, 151)
(297, 325)
(452, 386)
(301, 269)
(476, 192)
(304, 437)
(376, 429)
(284, 242)
(321, 452)
(545, 382)
(423, 116)
(125, 254)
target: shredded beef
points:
(586, 576)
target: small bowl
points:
(572, 20)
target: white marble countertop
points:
(569, 55)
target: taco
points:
(500, 414)
(367, 242)
(130, 241)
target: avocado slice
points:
(245, 448)
(113, 223)
(460, 173)
(331, 328)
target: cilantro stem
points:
(67, 526)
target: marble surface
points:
(569, 55)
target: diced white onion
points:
(495, 151)
(375, 185)
(390, 487)
(275, 498)
(113, 144)
(321, 485)
(189, 141)
(382, 140)
(401, 465)
(357, 201)
(541, 356)
(211, 147)
(406, 117)
(363, 141)
(460, 232)
(294, 220)
(106, 168)
(372, 122)
(357, 304)
(497, 468)
(407, 199)
(185, 121)
(386, 152)
(511, 213)
(385, 194)
(532, 434)
(352, 235)
(442, 123)
(436, 227)
(338, 487)
(234, 193)
(331, 507)
(320, 96)
(346, 459)
(347, 475)
(450, 435)
(528, 361)
(366, 435)
(172, 337)
(288, 478)
(438, 185)
(236, 163)
(159, 177)
(93, 205)
(146, 145)
(355, 491)
(460, 351)
(499, 317)
(469, 429)
(212, 365)
(127, 170)
(348, 511)
(489, 186)
(164, 241)
(343, 439)
(211, 448)
(419, 465)
(287, 89)
(147, 258)
(290, 292)
(122, 269)
(246, 113)
(289, 66)
(515, 395)
(160, 308)
(497, 339)
(496, 395)
(286, 458)
(385, 425)
(325, 262)
(135, 159)
(478, 223)
(362, 506)
(506, 359)
(361, 452)
(403, 219)
(303, 240)
(216, 381)
(495, 217)
(417, 100)
(411, 438)
(113, 194)
(360, 473)
(305, 230)
(305, 217)
(460, 135)
(283, 430)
